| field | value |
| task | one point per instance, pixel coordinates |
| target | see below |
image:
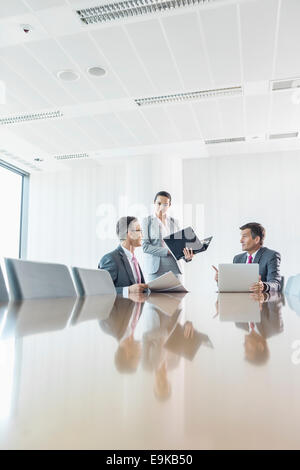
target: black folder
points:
(186, 238)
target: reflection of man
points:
(252, 239)
(256, 347)
(121, 324)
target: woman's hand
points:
(188, 254)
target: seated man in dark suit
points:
(121, 263)
(252, 239)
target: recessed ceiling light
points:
(68, 75)
(96, 71)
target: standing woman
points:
(158, 259)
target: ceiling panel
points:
(185, 121)
(285, 111)
(136, 121)
(258, 28)
(52, 57)
(43, 4)
(257, 112)
(222, 41)
(288, 57)
(12, 8)
(34, 74)
(188, 50)
(86, 54)
(120, 133)
(231, 110)
(42, 140)
(155, 55)
(114, 44)
(21, 90)
(208, 116)
(93, 128)
(161, 124)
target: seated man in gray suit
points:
(121, 263)
(252, 239)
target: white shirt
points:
(165, 228)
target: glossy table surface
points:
(200, 371)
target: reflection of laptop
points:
(186, 347)
(186, 238)
(237, 277)
(238, 308)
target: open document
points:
(167, 303)
(168, 282)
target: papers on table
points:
(168, 282)
(165, 302)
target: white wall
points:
(69, 210)
(234, 190)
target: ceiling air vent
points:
(132, 8)
(30, 117)
(71, 156)
(288, 84)
(225, 141)
(287, 135)
(194, 95)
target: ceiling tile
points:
(52, 58)
(209, 119)
(221, 35)
(155, 55)
(83, 50)
(258, 27)
(288, 57)
(188, 50)
(114, 44)
(161, 124)
(12, 8)
(185, 121)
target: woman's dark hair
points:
(164, 194)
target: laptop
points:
(238, 307)
(186, 238)
(237, 277)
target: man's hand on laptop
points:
(137, 288)
(217, 273)
(258, 287)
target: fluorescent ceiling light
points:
(287, 135)
(132, 8)
(287, 84)
(30, 117)
(225, 141)
(194, 95)
(70, 156)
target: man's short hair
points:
(163, 194)
(123, 225)
(257, 230)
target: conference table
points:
(200, 370)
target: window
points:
(13, 211)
